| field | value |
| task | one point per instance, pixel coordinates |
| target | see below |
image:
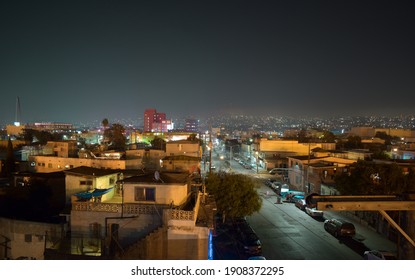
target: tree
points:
(28, 135)
(235, 194)
(39, 136)
(106, 133)
(353, 142)
(116, 137)
(105, 123)
(328, 137)
(192, 137)
(10, 160)
(302, 136)
(367, 178)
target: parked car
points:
(248, 240)
(301, 204)
(313, 212)
(292, 197)
(250, 243)
(339, 228)
(379, 255)
(277, 171)
(275, 186)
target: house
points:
(85, 179)
(307, 173)
(152, 210)
(274, 153)
(184, 147)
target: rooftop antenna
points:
(17, 116)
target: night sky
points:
(80, 61)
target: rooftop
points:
(91, 171)
(159, 177)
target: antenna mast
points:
(17, 116)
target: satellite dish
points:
(156, 175)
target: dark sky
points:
(75, 61)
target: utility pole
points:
(308, 168)
(210, 151)
(230, 157)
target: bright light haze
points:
(78, 61)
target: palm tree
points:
(105, 123)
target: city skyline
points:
(71, 61)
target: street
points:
(288, 233)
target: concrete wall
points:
(47, 164)
(131, 227)
(292, 146)
(27, 239)
(188, 245)
(165, 194)
(183, 148)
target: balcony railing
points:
(134, 209)
(183, 215)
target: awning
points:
(94, 193)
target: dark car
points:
(339, 228)
(250, 243)
(248, 240)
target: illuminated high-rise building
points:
(156, 122)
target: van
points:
(339, 228)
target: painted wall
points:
(47, 164)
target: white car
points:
(313, 212)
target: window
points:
(88, 183)
(145, 194)
(112, 181)
(28, 238)
(49, 165)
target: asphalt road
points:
(288, 233)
